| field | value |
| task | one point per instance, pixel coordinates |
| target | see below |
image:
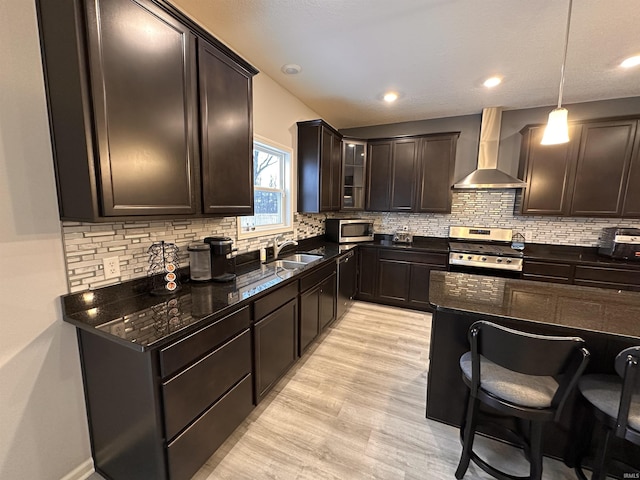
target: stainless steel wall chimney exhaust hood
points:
(487, 174)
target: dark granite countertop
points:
(585, 308)
(573, 255)
(427, 244)
(128, 314)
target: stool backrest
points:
(564, 358)
(627, 365)
(524, 352)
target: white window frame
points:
(287, 191)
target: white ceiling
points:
(436, 53)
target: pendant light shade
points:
(557, 130)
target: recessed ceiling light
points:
(390, 97)
(291, 69)
(631, 62)
(352, 145)
(492, 82)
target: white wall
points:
(276, 111)
(43, 428)
(43, 431)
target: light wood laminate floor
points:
(353, 407)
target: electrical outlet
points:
(111, 267)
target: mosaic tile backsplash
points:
(87, 244)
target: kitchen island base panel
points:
(447, 393)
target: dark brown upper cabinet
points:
(631, 207)
(436, 162)
(591, 176)
(354, 167)
(227, 133)
(549, 171)
(123, 97)
(319, 167)
(602, 168)
(392, 173)
(411, 174)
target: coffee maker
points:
(223, 259)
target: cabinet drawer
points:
(183, 352)
(414, 257)
(547, 270)
(188, 452)
(317, 276)
(192, 391)
(608, 275)
(270, 302)
(617, 286)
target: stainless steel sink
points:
(301, 258)
(288, 264)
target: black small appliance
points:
(223, 259)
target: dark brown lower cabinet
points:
(309, 317)
(191, 449)
(275, 346)
(619, 277)
(606, 277)
(547, 271)
(160, 413)
(393, 280)
(327, 302)
(318, 297)
(367, 273)
(419, 285)
(398, 277)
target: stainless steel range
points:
(483, 250)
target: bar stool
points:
(615, 401)
(521, 375)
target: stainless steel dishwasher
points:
(346, 282)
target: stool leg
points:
(468, 436)
(535, 442)
(602, 456)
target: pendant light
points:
(557, 130)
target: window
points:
(271, 191)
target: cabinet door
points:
(631, 206)
(353, 174)
(435, 173)
(336, 172)
(549, 173)
(330, 160)
(403, 178)
(379, 176)
(367, 273)
(327, 306)
(419, 285)
(347, 287)
(309, 311)
(142, 68)
(319, 164)
(227, 133)
(275, 346)
(602, 166)
(393, 280)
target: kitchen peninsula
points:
(607, 319)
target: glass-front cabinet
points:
(354, 158)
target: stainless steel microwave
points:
(348, 230)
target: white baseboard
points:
(81, 472)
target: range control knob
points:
(469, 257)
(484, 259)
(499, 260)
(508, 260)
(460, 257)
